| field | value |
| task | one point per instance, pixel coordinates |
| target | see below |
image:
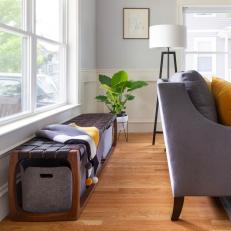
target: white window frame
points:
(206, 15)
(28, 31)
(182, 4)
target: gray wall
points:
(87, 34)
(112, 51)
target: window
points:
(209, 41)
(32, 57)
(46, 25)
(48, 74)
(205, 63)
(11, 13)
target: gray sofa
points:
(198, 149)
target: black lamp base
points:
(163, 54)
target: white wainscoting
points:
(4, 209)
(88, 90)
(140, 111)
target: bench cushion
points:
(43, 149)
(102, 121)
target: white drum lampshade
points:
(172, 36)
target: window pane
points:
(10, 74)
(209, 40)
(48, 19)
(11, 12)
(190, 62)
(213, 29)
(48, 74)
(204, 64)
(209, 65)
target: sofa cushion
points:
(199, 93)
(221, 90)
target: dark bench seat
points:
(38, 149)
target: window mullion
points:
(25, 75)
(63, 49)
(12, 30)
(25, 91)
(33, 57)
(63, 72)
(48, 40)
(33, 72)
(24, 14)
(63, 24)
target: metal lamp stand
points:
(163, 54)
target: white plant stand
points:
(122, 124)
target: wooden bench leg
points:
(74, 159)
(177, 208)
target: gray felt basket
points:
(105, 142)
(46, 189)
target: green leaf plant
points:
(118, 91)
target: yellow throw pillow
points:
(221, 90)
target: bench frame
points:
(78, 203)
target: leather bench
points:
(43, 150)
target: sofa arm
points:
(198, 150)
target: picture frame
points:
(136, 22)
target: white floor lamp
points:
(166, 36)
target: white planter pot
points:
(122, 126)
(122, 119)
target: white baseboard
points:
(3, 189)
(142, 127)
(4, 211)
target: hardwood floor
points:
(134, 194)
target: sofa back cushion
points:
(199, 93)
(221, 90)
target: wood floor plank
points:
(134, 194)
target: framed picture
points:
(136, 22)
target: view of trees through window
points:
(15, 56)
(10, 45)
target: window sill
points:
(5, 129)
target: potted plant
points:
(118, 91)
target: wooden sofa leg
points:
(177, 208)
